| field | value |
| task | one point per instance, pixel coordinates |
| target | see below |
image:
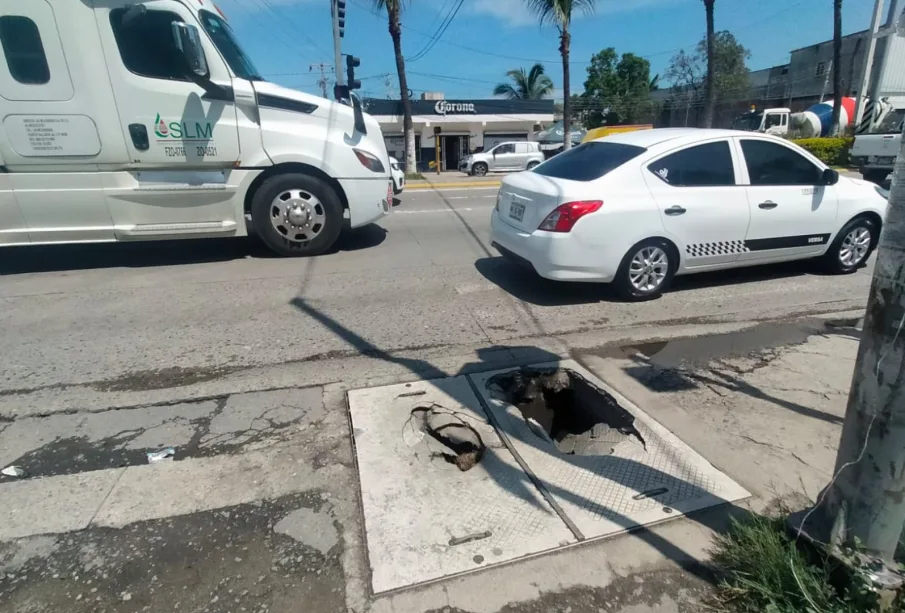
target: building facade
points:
(464, 126)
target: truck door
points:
(52, 141)
(182, 140)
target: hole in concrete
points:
(565, 409)
(460, 443)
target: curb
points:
(449, 185)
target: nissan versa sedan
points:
(638, 208)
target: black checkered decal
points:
(702, 250)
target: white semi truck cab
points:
(144, 119)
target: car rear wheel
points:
(479, 169)
(297, 214)
(852, 246)
(533, 165)
(646, 270)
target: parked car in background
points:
(874, 153)
(505, 157)
(398, 175)
(638, 208)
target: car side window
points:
(507, 148)
(704, 165)
(521, 147)
(773, 164)
(23, 49)
(146, 44)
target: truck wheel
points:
(297, 214)
(479, 169)
(875, 176)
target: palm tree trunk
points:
(566, 102)
(837, 66)
(408, 131)
(710, 105)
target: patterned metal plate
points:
(426, 519)
(628, 485)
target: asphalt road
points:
(426, 277)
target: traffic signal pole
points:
(338, 10)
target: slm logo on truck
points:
(196, 137)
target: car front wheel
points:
(646, 270)
(479, 169)
(852, 246)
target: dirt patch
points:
(566, 409)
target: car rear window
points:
(588, 161)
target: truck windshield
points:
(750, 122)
(892, 123)
(226, 42)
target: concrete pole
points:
(868, 62)
(865, 503)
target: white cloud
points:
(515, 13)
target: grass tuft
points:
(764, 571)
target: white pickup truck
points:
(875, 153)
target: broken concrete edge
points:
(735, 492)
(445, 361)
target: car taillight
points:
(368, 161)
(566, 215)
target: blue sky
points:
(489, 37)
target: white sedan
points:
(637, 208)
(398, 174)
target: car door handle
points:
(769, 204)
(675, 210)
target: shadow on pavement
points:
(519, 483)
(525, 284)
(57, 258)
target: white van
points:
(137, 120)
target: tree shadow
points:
(146, 254)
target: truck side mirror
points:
(188, 41)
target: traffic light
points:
(352, 63)
(341, 16)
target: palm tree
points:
(533, 85)
(559, 13)
(837, 65)
(710, 104)
(394, 9)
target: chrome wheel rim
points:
(648, 269)
(854, 246)
(297, 215)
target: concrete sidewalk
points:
(269, 522)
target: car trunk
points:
(526, 198)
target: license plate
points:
(516, 211)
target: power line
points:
(444, 26)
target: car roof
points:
(651, 138)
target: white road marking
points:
(451, 189)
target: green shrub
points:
(830, 151)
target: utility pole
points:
(868, 61)
(338, 13)
(864, 504)
(888, 30)
(322, 82)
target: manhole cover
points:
(440, 492)
(607, 465)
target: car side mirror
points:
(188, 42)
(830, 177)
